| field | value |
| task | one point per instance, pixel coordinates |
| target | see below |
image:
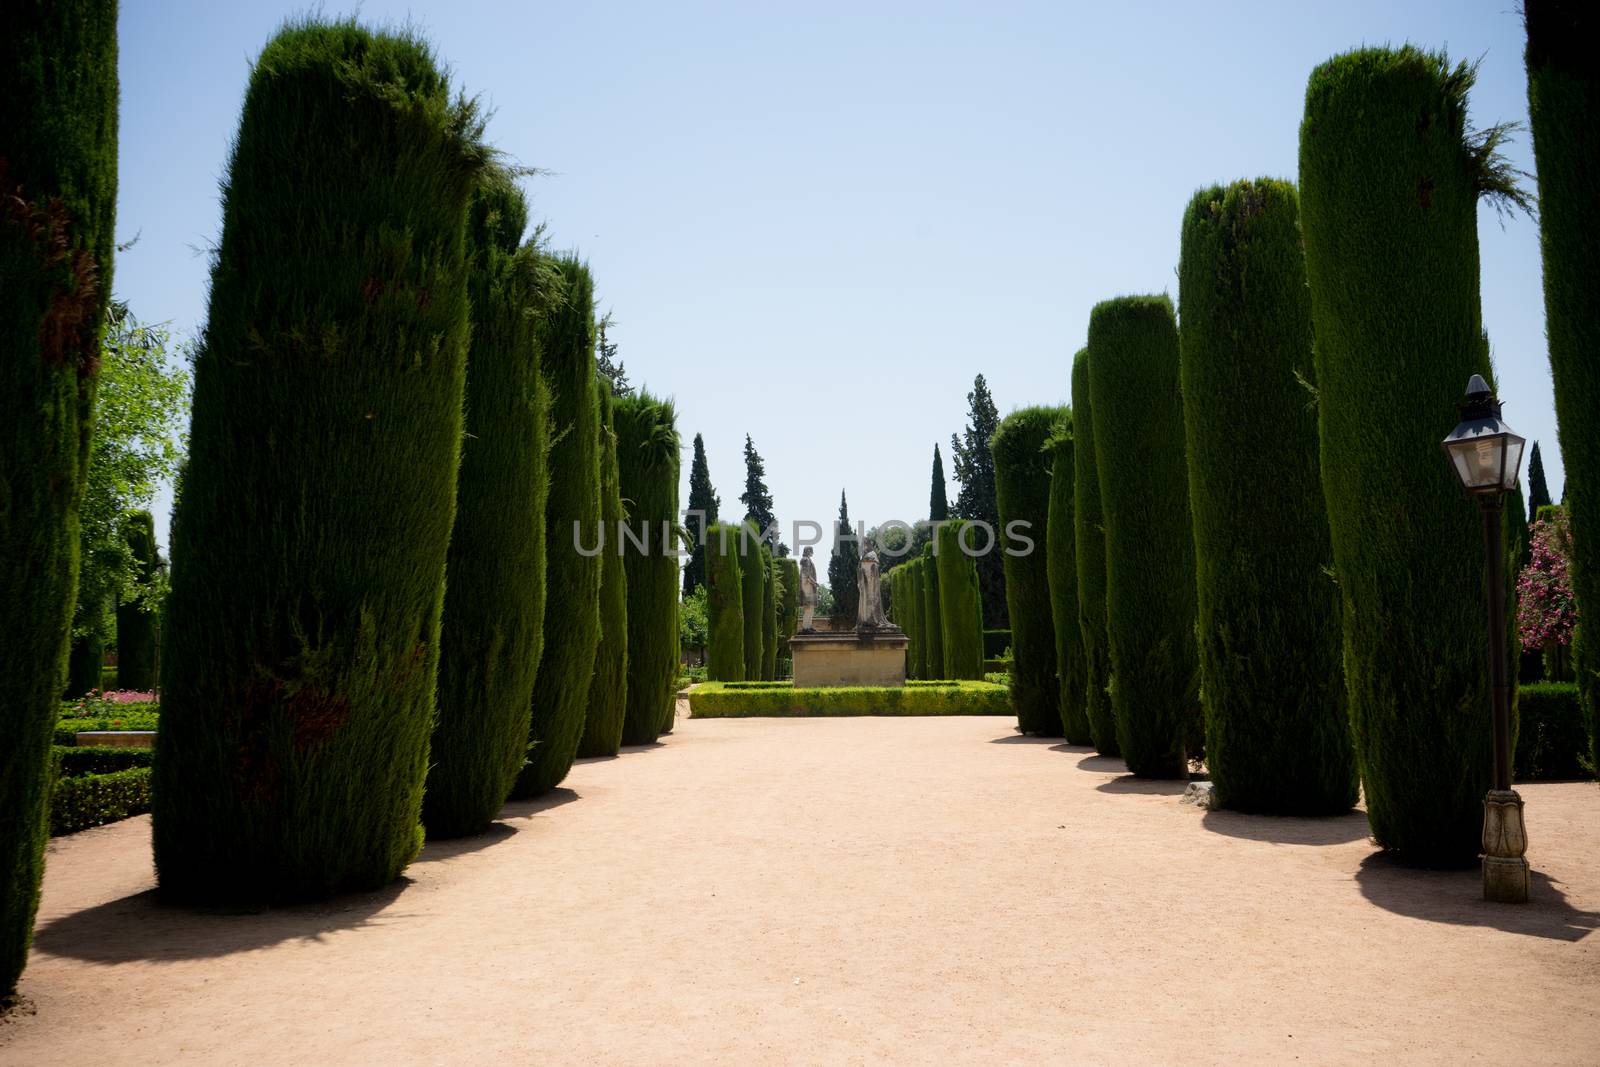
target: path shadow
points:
(1074, 749)
(143, 927)
(1154, 787)
(450, 848)
(1289, 829)
(522, 809)
(1103, 764)
(1021, 739)
(646, 747)
(1456, 897)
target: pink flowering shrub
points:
(1546, 610)
(98, 705)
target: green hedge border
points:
(718, 700)
(94, 799)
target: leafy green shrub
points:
(1144, 497)
(491, 634)
(1389, 196)
(1061, 559)
(93, 799)
(608, 692)
(932, 617)
(72, 762)
(1089, 543)
(1277, 735)
(716, 700)
(647, 462)
(995, 642)
(1564, 111)
(1552, 736)
(725, 603)
(572, 512)
(321, 485)
(136, 619)
(960, 606)
(1022, 482)
(58, 173)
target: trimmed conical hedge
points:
(136, 618)
(932, 616)
(753, 582)
(1277, 733)
(1061, 562)
(769, 616)
(647, 462)
(492, 632)
(1022, 485)
(608, 691)
(1564, 111)
(1389, 197)
(960, 606)
(1089, 538)
(724, 603)
(58, 180)
(321, 486)
(573, 529)
(1144, 496)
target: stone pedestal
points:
(117, 738)
(1505, 839)
(849, 658)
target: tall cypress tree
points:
(647, 463)
(960, 612)
(572, 514)
(974, 470)
(1390, 184)
(136, 617)
(1022, 479)
(608, 691)
(1564, 111)
(703, 505)
(932, 615)
(1089, 538)
(1061, 562)
(1277, 732)
(492, 631)
(1144, 496)
(769, 615)
(756, 499)
(938, 505)
(321, 486)
(1538, 488)
(753, 581)
(724, 604)
(842, 565)
(58, 178)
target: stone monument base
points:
(849, 657)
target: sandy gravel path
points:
(842, 891)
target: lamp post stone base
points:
(1505, 840)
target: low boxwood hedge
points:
(93, 799)
(72, 761)
(722, 700)
(1551, 736)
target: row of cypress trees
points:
(427, 443)
(752, 600)
(1227, 571)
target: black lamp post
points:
(1486, 455)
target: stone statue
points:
(808, 591)
(869, 592)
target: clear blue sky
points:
(815, 225)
